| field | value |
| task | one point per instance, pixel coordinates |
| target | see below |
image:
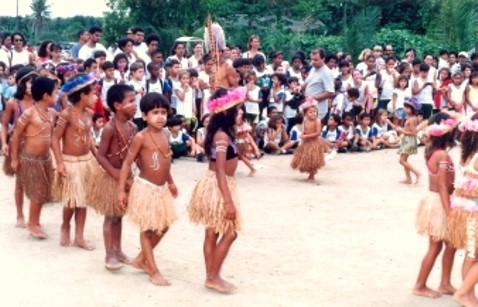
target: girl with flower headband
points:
(463, 217)
(245, 144)
(22, 100)
(431, 216)
(214, 201)
(309, 156)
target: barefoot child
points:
(309, 156)
(408, 145)
(463, 216)
(113, 148)
(245, 144)
(150, 201)
(14, 108)
(431, 218)
(32, 161)
(72, 146)
(214, 201)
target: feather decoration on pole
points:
(215, 42)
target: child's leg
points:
(447, 266)
(465, 295)
(248, 163)
(65, 226)
(467, 264)
(428, 261)
(80, 220)
(34, 220)
(19, 205)
(140, 261)
(117, 227)
(214, 281)
(311, 177)
(288, 145)
(111, 262)
(409, 168)
(272, 147)
(147, 244)
(209, 248)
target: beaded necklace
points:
(123, 144)
(157, 149)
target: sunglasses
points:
(18, 40)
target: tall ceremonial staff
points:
(215, 42)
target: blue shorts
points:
(401, 113)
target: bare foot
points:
(84, 244)
(465, 300)
(65, 236)
(446, 289)
(112, 264)
(20, 222)
(219, 285)
(419, 176)
(123, 258)
(406, 181)
(252, 172)
(228, 284)
(140, 265)
(37, 232)
(427, 292)
(158, 280)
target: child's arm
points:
(443, 180)
(318, 131)
(106, 138)
(136, 145)
(20, 127)
(271, 134)
(181, 94)
(192, 144)
(448, 97)
(9, 111)
(58, 133)
(221, 142)
(394, 103)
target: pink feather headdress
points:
(442, 128)
(469, 125)
(309, 102)
(231, 99)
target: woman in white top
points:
(362, 58)
(125, 46)
(196, 57)
(388, 80)
(179, 53)
(20, 55)
(253, 46)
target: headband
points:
(31, 73)
(78, 83)
(442, 128)
(309, 102)
(469, 125)
(231, 99)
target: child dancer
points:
(150, 201)
(32, 162)
(22, 100)
(115, 142)
(408, 145)
(309, 156)
(72, 145)
(431, 218)
(214, 201)
(245, 144)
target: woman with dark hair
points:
(20, 55)
(43, 52)
(178, 52)
(214, 202)
(121, 66)
(125, 46)
(6, 49)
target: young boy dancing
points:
(150, 202)
(72, 146)
(33, 165)
(115, 142)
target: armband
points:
(443, 165)
(221, 148)
(61, 122)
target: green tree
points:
(39, 17)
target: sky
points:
(58, 8)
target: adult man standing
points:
(83, 37)
(93, 44)
(320, 83)
(152, 43)
(138, 45)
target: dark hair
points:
(95, 29)
(117, 58)
(117, 93)
(469, 142)
(454, 53)
(442, 52)
(55, 46)
(123, 42)
(353, 92)
(5, 36)
(335, 117)
(151, 66)
(370, 56)
(175, 46)
(364, 115)
(193, 73)
(347, 114)
(474, 74)
(400, 78)
(42, 50)
(281, 77)
(273, 120)
(42, 86)
(390, 58)
(320, 52)
(80, 33)
(21, 35)
(343, 63)
(224, 121)
(424, 67)
(299, 119)
(174, 121)
(151, 38)
(3, 65)
(88, 63)
(292, 79)
(96, 116)
(99, 54)
(258, 60)
(402, 66)
(152, 101)
(416, 62)
(75, 97)
(207, 57)
(107, 65)
(172, 62)
(21, 85)
(135, 30)
(439, 142)
(331, 56)
(136, 66)
(155, 53)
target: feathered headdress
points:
(77, 83)
(442, 128)
(227, 101)
(214, 36)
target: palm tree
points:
(40, 14)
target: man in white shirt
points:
(83, 37)
(93, 44)
(138, 36)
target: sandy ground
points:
(348, 241)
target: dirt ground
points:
(347, 241)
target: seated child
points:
(332, 135)
(379, 128)
(276, 140)
(181, 143)
(353, 105)
(262, 126)
(348, 132)
(97, 128)
(201, 137)
(363, 133)
(296, 131)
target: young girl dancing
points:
(245, 144)
(309, 156)
(150, 201)
(431, 218)
(463, 217)
(214, 201)
(408, 145)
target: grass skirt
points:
(408, 145)
(7, 161)
(207, 204)
(103, 193)
(309, 157)
(150, 206)
(72, 189)
(431, 217)
(462, 222)
(35, 176)
(457, 227)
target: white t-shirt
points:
(388, 85)
(252, 107)
(174, 98)
(86, 52)
(22, 57)
(318, 81)
(288, 111)
(184, 63)
(104, 89)
(185, 107)
(425, 95)
(138, 87)
(155, 87)
(401, 94)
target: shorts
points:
(401, 113)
